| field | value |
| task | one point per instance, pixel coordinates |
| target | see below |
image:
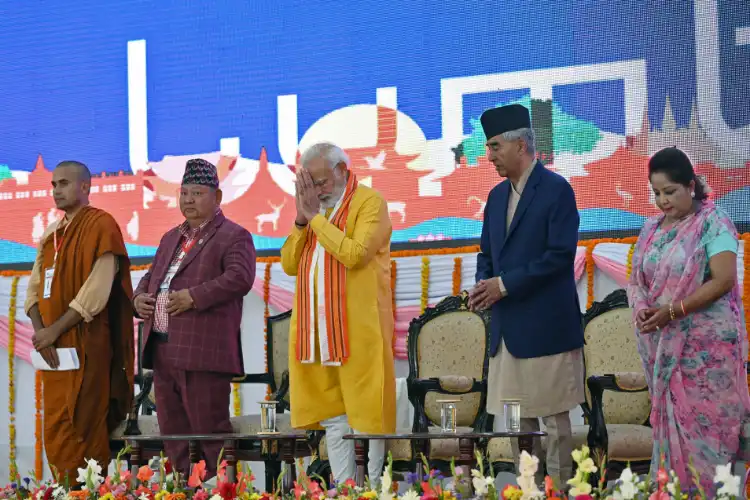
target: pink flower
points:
(659, 495)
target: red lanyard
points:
(54, 240)
(187, 246)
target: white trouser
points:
(341, 451)
(559, 446)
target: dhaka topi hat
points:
(200, 172)
(497, 121)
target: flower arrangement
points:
(156, 481)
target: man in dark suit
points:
(525, 274)
(191, 299)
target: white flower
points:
(409, 495)
(671, 489)
(93, 466)
(385, 486)
(91, 475)
(58, 491)
(730, 484)
(626, 476)
(625, 491)
(528, 464)
(143, 497)
(481, 484)
(216, 497)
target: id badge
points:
(168, 277)
(49, 274)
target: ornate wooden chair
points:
(447, 351)
(619, 419)
(143, 422)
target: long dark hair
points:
(676, 165)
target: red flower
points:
(201, 495)
(226, 490)
(662, 477)
(198, 474)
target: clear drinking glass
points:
(268, 417)
(448, 414)
(512, 413)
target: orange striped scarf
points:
(332, 324)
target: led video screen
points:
(134, 89)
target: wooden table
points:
(466, 444)
(286, 441)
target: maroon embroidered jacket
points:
(219, 271)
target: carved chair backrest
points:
(611, 348)
(450, 341)
(277, 345)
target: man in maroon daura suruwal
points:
(191, 301)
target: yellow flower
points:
(161, 494)
(370, 494)
(512, 493)
(580, 489)
(580, 455)
(587, 466)
(108, 496)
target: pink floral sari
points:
(695, 366)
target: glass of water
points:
(448, 414)
(268, 417)
(512, 413)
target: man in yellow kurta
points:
(340, 358)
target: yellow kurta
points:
(364, 387)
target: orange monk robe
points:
(364, 387)
(83, 406)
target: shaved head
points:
(83, 174)
(71, 184)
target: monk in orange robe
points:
(79, 296)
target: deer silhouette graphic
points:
(272, 217)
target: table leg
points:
(360, 458)
(193, 454)
(135, 461)
(466, 457)
(465, 452)
(231, 458)
(526, 443)
(287, 455)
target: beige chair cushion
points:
(245, 424)
(627, 442)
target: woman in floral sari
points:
(689, 323)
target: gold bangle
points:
(671, 311)
(682, 305)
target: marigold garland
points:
(589, 275)
(457, 275)
(425, 284)
(629, 261)
(38, 436)
(266, 314)
(13, 471)
(393, 299)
